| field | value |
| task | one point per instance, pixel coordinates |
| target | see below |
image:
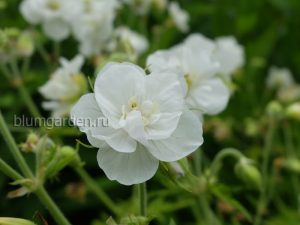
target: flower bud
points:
(293, 111)
(25, 46)
(62, 158)
(289, 95)
(251, 127)
(160, 4)
(3, 4)
(248, 173)
(274, 109)
(14, 221)
(292, 164)
(31, 143)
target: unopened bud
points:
(31, 143)
(293, 111)
(160, 4)
(274, 109)
(292, 164)
(62, 158)
(248, 173)
(25, 46)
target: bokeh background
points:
(269, 30)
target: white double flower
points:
(147, 118)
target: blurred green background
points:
(270, 32)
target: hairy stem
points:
(9, 171)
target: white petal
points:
(210, 96)
(134, 125)
(163, 60)
(56, 29)
(163, 127)
(185, 139)
(198, 63)
(128, 168)
(115, 85)
(72, 66)
(199, 42)
(96, 142)
(86, 114)
(31, 12)
(165, 90)
(230, 55)
(118, 139)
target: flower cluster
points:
(151, 117)
(90, 22)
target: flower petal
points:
(185, 139)
(134, 125)
(115, 85)
(86, 114)
(128, 168)
(164, 89)
(163, 127)
(118, 139)
(56, 29)
(96, 142)
(210, 96)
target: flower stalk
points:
(9, 171)
(142, 193)
(263, 200)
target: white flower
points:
(64, 88)
(229, 54)
(137, 42)
(52, 14)
(93, 25)
(280, 78)
(179, 17)
(193, 62)
(147, 122)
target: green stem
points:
(25, 65)
(291, 153)
(197, 161)
(9, 171)
(56, 213)
(28, 101)
(56, 47)
(142, 192)
(217, 163)
(5, 71)
(263, 201)
(93, 186)
(14, 149)
(23, 90)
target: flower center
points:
(53, 5)
(147, 109)
(133, 103)
(188, 80)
